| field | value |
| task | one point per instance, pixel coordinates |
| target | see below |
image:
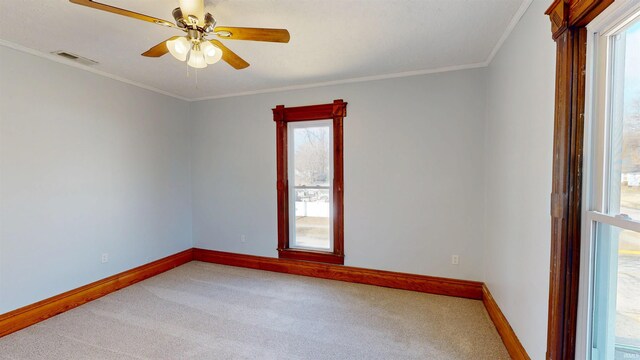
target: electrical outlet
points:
(243, 239)
(455, 260)
(104, 258)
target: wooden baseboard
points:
(509, 338)
(42, 310)
(34, 313)
(426, 284)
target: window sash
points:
(291, 127)
(601, 183)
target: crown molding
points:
(507, 32)
(348, 81)
(505, 35)
(63, 61)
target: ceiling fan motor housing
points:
(194, 34)
(191, 22)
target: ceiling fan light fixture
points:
(196, 58)
(193, 8)
(179, 48)
(195, 48)
(212, 54)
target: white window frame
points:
(291, 126)
(595, 201)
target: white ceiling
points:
(331, 40)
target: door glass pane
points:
(312, 188)
(625, 123)
(616, 317)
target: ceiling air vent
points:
(76, 58)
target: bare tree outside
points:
(631, 140)
(312, 156)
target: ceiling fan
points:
(195, 47)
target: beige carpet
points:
(207, 311)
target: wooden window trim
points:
(282, 115)
(569, 19)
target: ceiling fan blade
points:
(159, 49)
(230, 57)
(254, 34)
(119, 11)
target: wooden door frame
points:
(569, 19)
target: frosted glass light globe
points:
(179, 48)
(212, 54)
(196, 59)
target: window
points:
(310, 194)
(310, 182)
(611, 241)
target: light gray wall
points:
(435, 165)
(518, 169)
(413, 172)
(87, 165)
